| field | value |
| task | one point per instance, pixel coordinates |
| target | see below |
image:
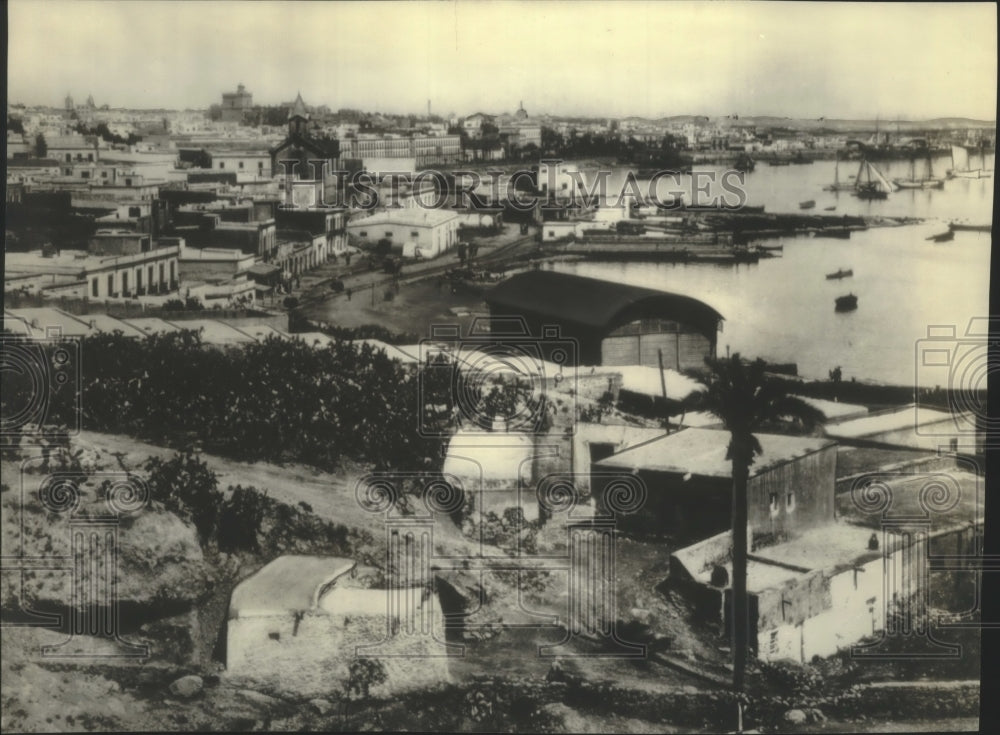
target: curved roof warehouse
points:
(610, 323)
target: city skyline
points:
(588, 60)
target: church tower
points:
(298, 117)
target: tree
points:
(741, 395)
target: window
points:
(222, 164)
(85, 174)
(69, 157)
(953, 443)
(388, 234)
(772, 643)
(774, 503)
(90, 156)
(111, 284)
(260, 165)
(133, 211)
(414, 233)
(104, 174)
(93, 288)
(790, 502)
(363, 233)
(171, 271)
(552, 233)
(241, 164)
(125, 284)
(128, 182)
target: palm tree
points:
(746, 400)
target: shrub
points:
(240, 519)
(186, 486)
(363, 675)
(277, 401)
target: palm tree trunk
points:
(740, 612)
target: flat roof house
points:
(689, 482)
(413, 232)
(300, 621)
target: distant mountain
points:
(827, 124)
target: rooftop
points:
(520, 364)
(151, 325)
(702, 452)
(646, 380)
(835, 410)
(260, 332)
(287, 584)
(592, 302)
(38, 320)
(214, 254)
(216, 332)
(826, 548)
(412, 216)
(908, 417)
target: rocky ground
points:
(174, 597)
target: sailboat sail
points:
(876, 175)
(871, 183)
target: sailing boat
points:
(963, 167)
(836, 185)
(927, 182)
(871, 183)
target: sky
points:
(593, 58)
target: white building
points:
(413, 232)
(79, 274)
(299, 622)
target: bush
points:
(276, 401)
(186, 486)
(240, 520)
(363, 675)
(173, 305)
(291, 302)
